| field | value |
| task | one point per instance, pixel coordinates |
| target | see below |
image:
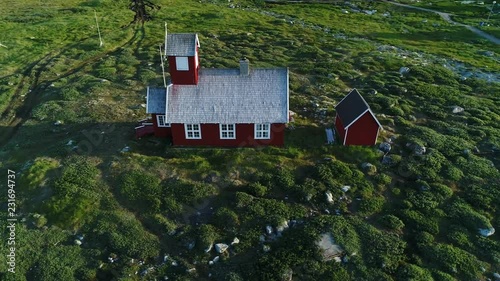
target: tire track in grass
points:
(32, 76)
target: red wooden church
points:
(355, 122)
(216, 107)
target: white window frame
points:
(193, 131)
(160, 120)
(227, 129)
(261, 130)
(182, 63)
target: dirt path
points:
(447, 17)
(31, 75)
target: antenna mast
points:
(165, 39)
(162, 68)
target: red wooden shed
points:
(218, 107)
(355, 122)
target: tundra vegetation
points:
(96, 204)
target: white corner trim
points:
(147, 100)
(376, 120)
(345, 135)
(166, 102)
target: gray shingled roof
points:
(351, 107)
(156, 100)
(181, 44)
(225, 96)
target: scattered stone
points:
(497, 276)
(309, 196)
(346, 188)
(385, 147)
(125, 149)
(191, 245)
(329, 249)
(287, 275)
(58, 122)
(412, 118)
(70, 143)
(345, 11)
(486, 232)
(191, 270)
(269, 230)
(329, 197)
(404, 70)
(489, 53)
(262, 238)
(235, 241)
(284, 225)
(174, 263)
(78, 242)
(386, 14)
(266, 248)
(221, 247)
(419, 149)
(457, 109)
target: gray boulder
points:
(486, 231)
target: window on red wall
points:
(262, 131)
(193, 131)
(181, 63)
(161, 121)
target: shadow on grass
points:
(107, 140)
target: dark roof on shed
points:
(351, 107)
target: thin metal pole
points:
(162, 68)
(98, 30)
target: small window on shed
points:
(182, 63)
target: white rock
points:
(266, 248)
(486, 231)
(385, 147)
(496, 275)
(58, 122)
(329, 197)
(404, 70)
(78, 242)
(345, 188)
(235, 241)
(221, 247)
(419, 150)
(457, 109)
(269, 230)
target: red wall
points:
(363, 131)
(161, 132)
(189, 77)
(244, 136)
(340, 128)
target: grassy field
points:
(142, 209)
